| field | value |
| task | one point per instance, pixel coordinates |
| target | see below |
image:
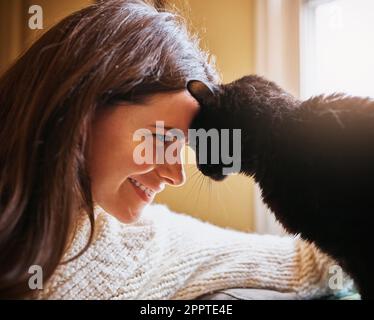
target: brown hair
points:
(111, 51)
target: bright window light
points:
(338, 47)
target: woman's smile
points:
(146, 193)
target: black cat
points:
(313, 160)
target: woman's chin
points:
(125, 214)
(128, 215)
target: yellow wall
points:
(227, 31)
(16, 36)
(11, 31)
(53, 12)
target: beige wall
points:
(15, 36)
(227, 31)
(53, 12)
(11, 31)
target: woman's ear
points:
(201, 92)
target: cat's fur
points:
(314, 162)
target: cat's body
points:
(313, 160)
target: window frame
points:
(308, 47)
(277, 57)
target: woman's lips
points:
(144, 192)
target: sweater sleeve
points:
(199, 258)
(166, 255)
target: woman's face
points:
(117, 181)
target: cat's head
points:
(210, 129)
(249, 105)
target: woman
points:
(72, 199)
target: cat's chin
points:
(218, 177)
(214, 176)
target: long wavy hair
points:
(109, 52)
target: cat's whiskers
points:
(221, 204)
(210, 192)
(228, 187)
(201, 180)
(195, 178)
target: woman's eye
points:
(160, 137)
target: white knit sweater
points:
(167, 255)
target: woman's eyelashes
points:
(166, 139)
(162, 138)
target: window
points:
(337, 51)
(311, 47)
(277, 58)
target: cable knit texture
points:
(167, 255)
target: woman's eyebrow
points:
(167, 128)
(164, 127)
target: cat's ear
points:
(201, 92)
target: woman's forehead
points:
(173, 109)
(176, 108)
(169, 99)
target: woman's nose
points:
(172, 174)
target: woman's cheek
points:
(145, 155)
(138, 166)
(142, 168)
